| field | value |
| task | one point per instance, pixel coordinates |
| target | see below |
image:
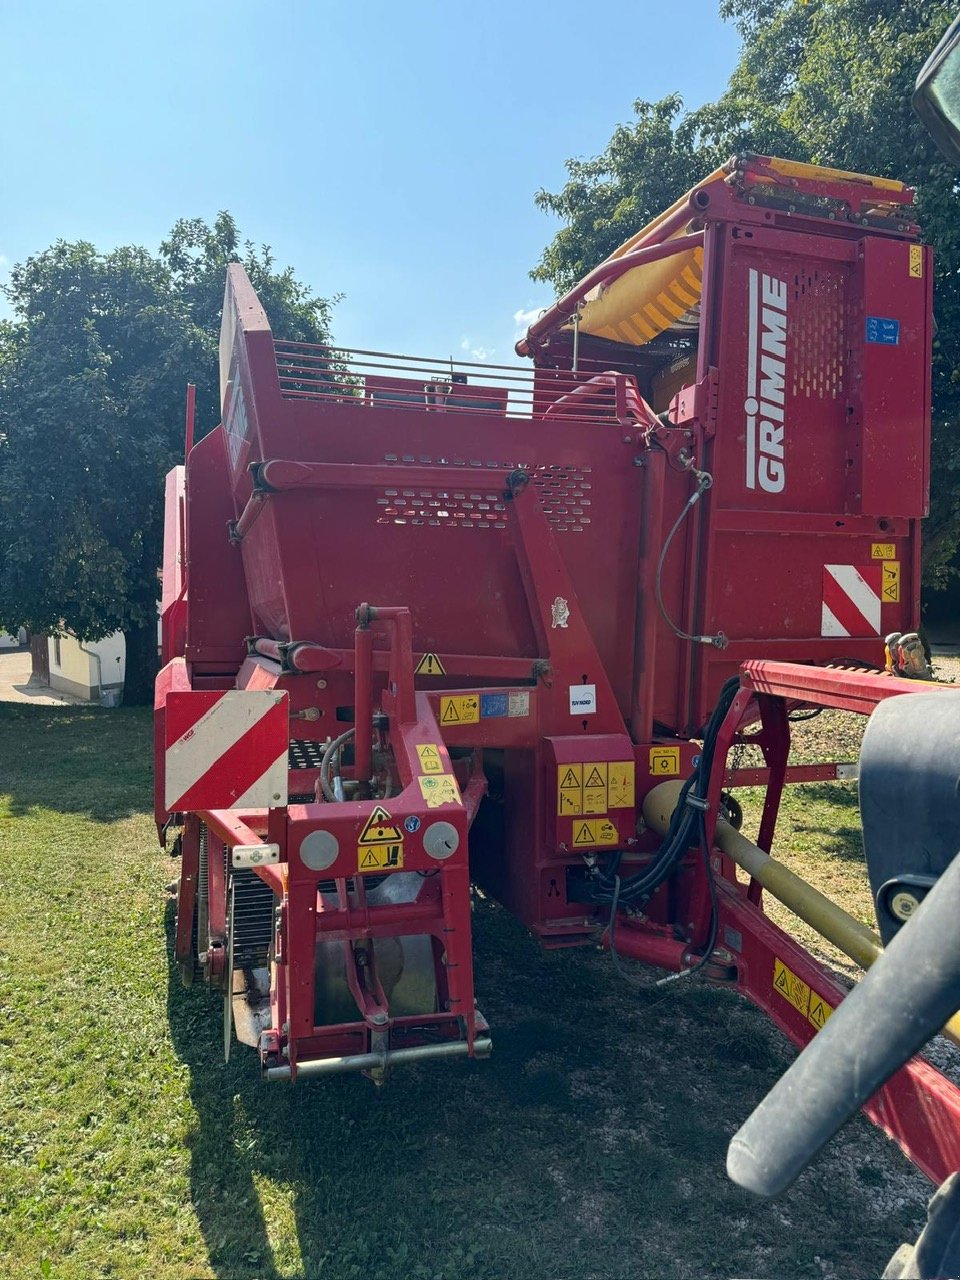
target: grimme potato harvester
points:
(428, 625)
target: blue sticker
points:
(883, 330)
(412, 823)
(494, 704)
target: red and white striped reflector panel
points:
(226, 750)
(851, 600)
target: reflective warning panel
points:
(594, 786)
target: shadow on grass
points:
(77, 759)
(585, 1131)
(816, 807)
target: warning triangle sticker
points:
(584, 835)
(379, 828)
(819, 1012)
(780, 981)
(570, 779)
(450, 713)
(369, 860)
(430, 665)
(595, 780)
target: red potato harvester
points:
(428, 624)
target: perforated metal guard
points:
(819, 333)
(305, 753)
(564, 492)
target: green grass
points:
(591, 1144)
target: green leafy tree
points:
(92, 376)
(825, 81)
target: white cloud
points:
(524, 319)
(478, 352)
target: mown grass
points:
(591, 1144)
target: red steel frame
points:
(266, 543)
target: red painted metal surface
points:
(521, 692)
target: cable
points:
(719, 641)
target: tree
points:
(825, 81)
(92, 376)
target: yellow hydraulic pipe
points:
(830, 921)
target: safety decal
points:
(226, 750)
(519, 704)
(430, 761)
(583, 699)
(883, 550)
(883, 331)
(916, 261)
(380, 857)
(851, 600)
(380, 843)
(590, 832)
(819, 1010)
(429, 665)
(664, 762)
(439, 790)
(792, 988)
(594, 787)
(462, 709)
(379, 827)
(890, 586)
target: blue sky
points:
(389, 152)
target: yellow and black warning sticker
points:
(380, 828)
(620, 790)
(791, 987)
(464, 708)
(590, 832)
(430, 665)
(916, 261)
(819, 1010)
(594, 786)
(379, 857)
(569, 789)
(439, 789)
(883, 550)
(665, 762)
(430, 761)
(890, 586)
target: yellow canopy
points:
(665, 294)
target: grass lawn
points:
(591, 1145)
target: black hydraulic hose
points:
(687, 825)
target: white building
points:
(92, 670)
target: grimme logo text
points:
(766, 378)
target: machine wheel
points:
(937, 1251)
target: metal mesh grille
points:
(818, 328)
